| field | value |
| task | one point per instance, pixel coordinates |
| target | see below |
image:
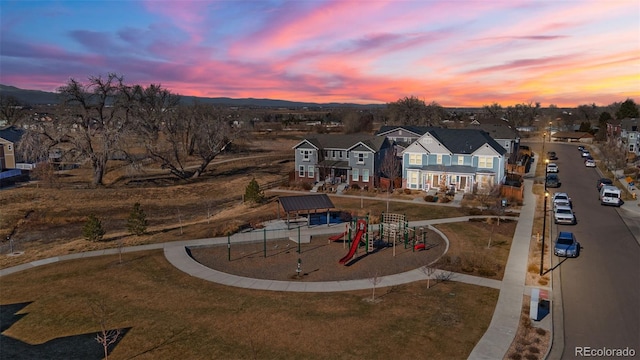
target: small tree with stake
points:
(137, 222)
(106, 337)
(93, 230)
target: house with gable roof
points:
(465, 159)
(630, 133)
(504, 134)
(9, 138)
(340, 159)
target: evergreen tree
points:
(253, 193)
(628, 109)
(93, 230)
(137, 221)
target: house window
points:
(361, 157)
(365, 175)
(9, 147)
(439, 159)
(306, 155)
(310, 171)
(333, 154)
(460, 160)
(355, 175)
(413, 179)
(415, 159)
(341, 155)
(485, 162)
(326, 154)
(301, 171)
(506, 144)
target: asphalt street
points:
(601, 288)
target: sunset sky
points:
(455, 52)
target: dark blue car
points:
(566, 245)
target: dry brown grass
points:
(469, 249)
(172, 315)
(530, 342)
(175, 316)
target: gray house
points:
(340, 159)
(630, 132)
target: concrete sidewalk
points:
(503, 327)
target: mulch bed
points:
(319, 259)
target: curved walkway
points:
(493, 345)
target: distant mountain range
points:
(37, 97)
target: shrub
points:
(407, 191)
(541, 332)
(515, 356)
(429, 198)
(253, 193)
(355, 186)
(92, 229)
(137, 221)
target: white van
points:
(610, 195)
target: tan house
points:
(9, 137)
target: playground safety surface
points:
(318, 259)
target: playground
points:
(363, 252)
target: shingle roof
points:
(498, 130)
(465, 141)
(328, 141)
(459, 141)
(418, 130)
(305, 202)
(11, 133)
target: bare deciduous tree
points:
(200, 131)
(428, 271)
(10, 109)
(391, 166)
(106, 337)
(374, 279)
(614, 154)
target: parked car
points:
(552, 181)
(610, 195)
(566, 245)
(586, 153)
(590, 163)
(581, 148)
(561, 198)
(602, 182)
(551, 155)
(564, 215)
(552, 168)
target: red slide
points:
(338, 236)
(418, 247)
(362, 228)
(354, 247)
